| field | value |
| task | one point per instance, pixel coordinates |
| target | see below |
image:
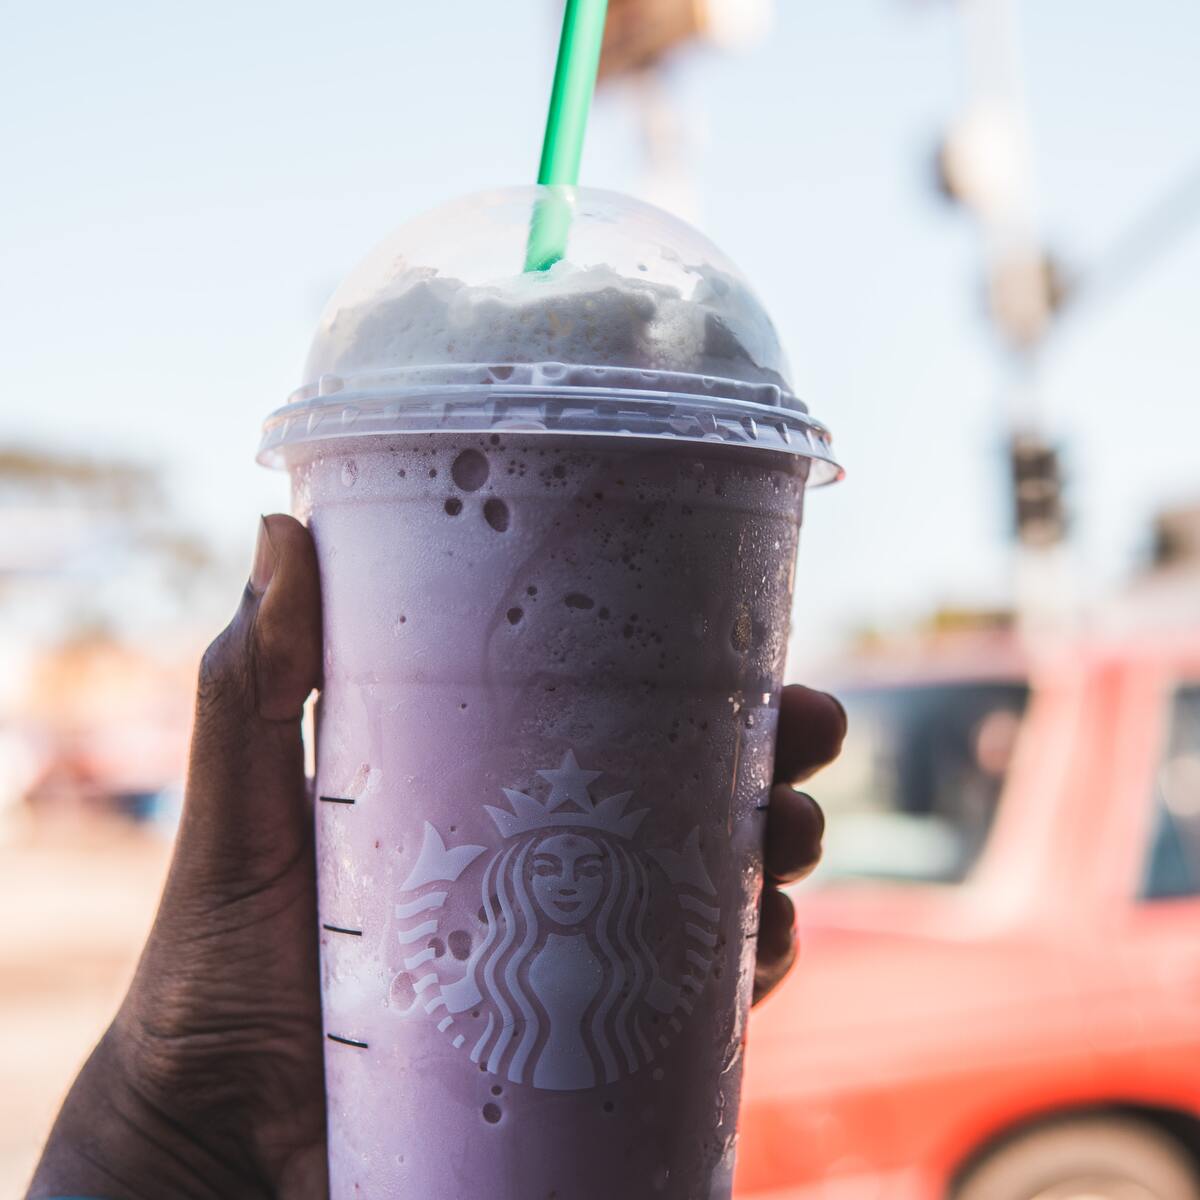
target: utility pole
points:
(986, 165)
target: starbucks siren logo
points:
(562, 978)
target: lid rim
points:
(567, 410)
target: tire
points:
(1087, 1158)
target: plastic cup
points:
(556, 601)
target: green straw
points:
(566, 122)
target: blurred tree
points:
(69, 515)
(120, 485)
(639, 34)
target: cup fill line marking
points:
(345, 1041)
(336, 800)
(342, 929)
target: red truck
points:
(999, 989)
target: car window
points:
(914, 793)
(1173, 861)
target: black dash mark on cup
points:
(341, 1041)
(336, 800)
(342, 929)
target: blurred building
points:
(107, 598)
(109, 723)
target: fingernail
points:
(265, 559)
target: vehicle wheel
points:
(1094, 1158)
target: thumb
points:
(245, 810)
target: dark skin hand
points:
(208, 1085)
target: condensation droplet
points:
(514, 615)
(453, 506)
(349, 472)
(491, 1113)
(495, 513)
(459, 942)
(469, 470)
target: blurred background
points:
(977, 223)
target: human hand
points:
(209, 1083)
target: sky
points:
(187, 183)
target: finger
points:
(795, 826)
(287, 629)
(245, 800)
(812, 726)
(777, 945)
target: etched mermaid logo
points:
(565, 984)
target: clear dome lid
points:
(642, 328)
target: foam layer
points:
(590, 316)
